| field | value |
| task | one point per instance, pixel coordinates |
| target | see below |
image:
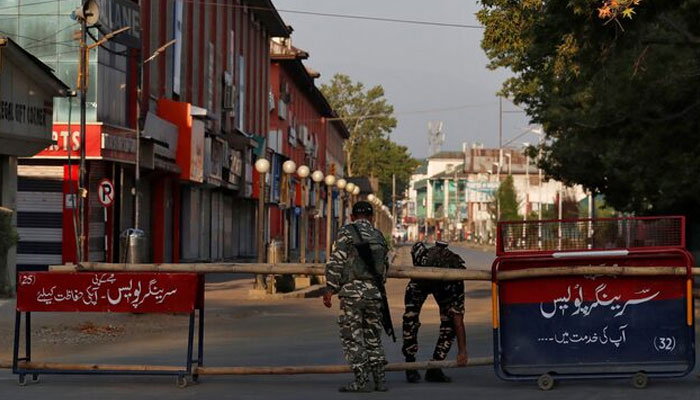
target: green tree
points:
(618, 98)
(366, 113)
(369, 151)
(506, 199)
(383, 159)
(8, 239)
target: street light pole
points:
(262, 165)
(303, 172)
(355, 193)
(350, 189)
(329, 181)
(341, 183)
(137, 174)
(288, 167)
(317, 177)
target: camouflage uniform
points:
(448, 295)
(360, 302)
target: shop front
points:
(27, 89)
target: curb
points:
(311, 291)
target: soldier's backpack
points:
(358, 270)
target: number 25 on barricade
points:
(105, 192)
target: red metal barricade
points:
(587, 326)
(108, 292)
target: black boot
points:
(379, 377)
(412, 376)
(360, 384)
(436, 375)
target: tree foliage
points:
(366, 113)
(619, 101)
(369, 151)
(505, 199)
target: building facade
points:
(305, 129)
(204, 117)
(27, 89)
(451, 195)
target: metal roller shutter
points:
(39, 216)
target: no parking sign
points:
(105, 192)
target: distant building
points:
(450, 192)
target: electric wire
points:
(30, 5)
(52, 35)
(10, 34)
(337, 15)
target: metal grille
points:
(587, 234)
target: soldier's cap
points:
(362, 208)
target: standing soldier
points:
(450, 298)
(356, 271)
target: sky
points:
(422, 68)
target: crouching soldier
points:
(449, 296)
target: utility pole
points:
(500, 123)
(393, 202)
(500, 156)
(137, 174)
(82, 181)
(88, 15)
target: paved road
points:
(475, 258)
(289, 332)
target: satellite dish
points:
(88, 12)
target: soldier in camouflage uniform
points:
(360, 319)
(450, 298)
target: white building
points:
(450, 194)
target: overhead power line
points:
(29, 5)
(338, 15)
(381, 19)
(38, 41)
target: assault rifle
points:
(365, 253)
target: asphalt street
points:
(241, 332)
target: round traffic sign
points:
(105, 192)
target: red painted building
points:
(303, 126)
(204, 115)
(215, 89)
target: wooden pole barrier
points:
(96, 367)
(252, 370)
(591, 270)
(396, 271)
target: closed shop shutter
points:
(229, 250)
(98, 215)
(191, 221)
(217, 226)
(205, 227)
(39, 216)
(168, 221)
